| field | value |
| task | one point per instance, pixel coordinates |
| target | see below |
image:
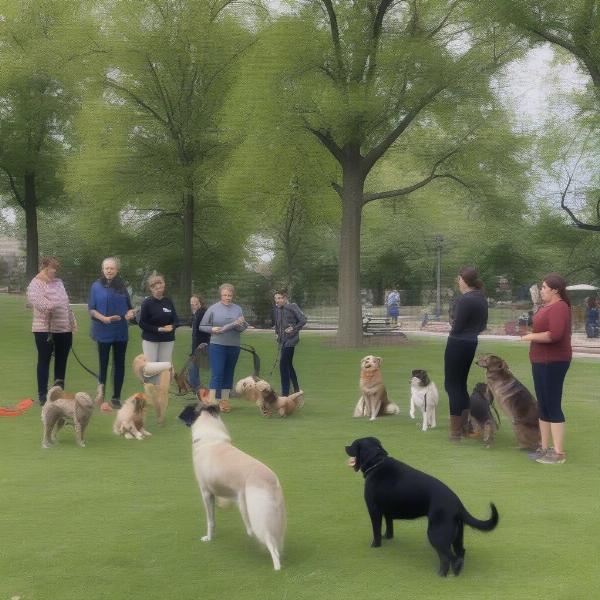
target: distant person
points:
(393, 306)
(469, 319)
(592, 317)
(158, 321)
(198, 337)
(289, 320)
(110, 307)
(550, 354)
(224, 321)
(53, 324)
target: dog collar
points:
(372, 467)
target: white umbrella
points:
(581, 287)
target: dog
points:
(482, 419)
(514, 398)
(394, 490)
(129, 421)
(224, 471)
(199, 357)
(63, 407)
(262, 394)
(373, 401)
(424, 396)
(156, 377)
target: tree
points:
(358, 77)
(45, 47)
(154, 142)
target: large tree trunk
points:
(350, 312)
(188, 241)
(31, 225)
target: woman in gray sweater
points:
(225, 322)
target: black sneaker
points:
(116, 403)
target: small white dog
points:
(424, 396)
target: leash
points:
(277, 357)
(50, 339)
(255, 358)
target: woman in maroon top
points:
(550, 354)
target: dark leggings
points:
(548, 379)
(119, 350)
(457, 363)
(47, 344)
(287, 372)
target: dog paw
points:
(205, 538)
(46, 445)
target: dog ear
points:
(189, 414)
(379, 360)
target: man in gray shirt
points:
(289, 320)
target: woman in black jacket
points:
(198, 337)
(469, 320)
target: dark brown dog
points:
(482, 418)
(514, 398)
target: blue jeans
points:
(194, 376)
(222, 365)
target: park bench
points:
(379, 326)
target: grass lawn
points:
(123, 519)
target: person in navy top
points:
(158, 321)
(111, 309)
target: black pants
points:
(457, 363)
(47, 344)
(286, 371)
(119, 349)
(548, 379)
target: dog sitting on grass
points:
(61, 408)
(129, 421)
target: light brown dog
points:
(373, 401)
(514, 398)
(262, 394)
(63, 407)
(129, 421)
(156, 384)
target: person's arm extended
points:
(206, 325)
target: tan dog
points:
(156, 378)
(373, 401)
(129, 421)
(62, 407)
(262, 394)
(514, 398)
(224, 471)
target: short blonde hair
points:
(226, 286)
(154, 278)
(114, 260)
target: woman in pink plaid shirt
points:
(53, 324)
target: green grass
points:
(123, 519)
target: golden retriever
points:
(129, 421)
(63, 407)
(224, 471)
(156, 377)
(262, 394)
(373, 401)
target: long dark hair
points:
(471, 277)
(555, 282)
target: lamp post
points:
(439, 240)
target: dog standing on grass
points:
(156, 377)
(63, 407)
(373, 401)
(224, 471)
(264, 396)
(424, 396)
(129, 421)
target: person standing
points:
(158, 321)
(225, 322)
(110, 308)
(198, 337)
(550, 354)
(469, 320)
(53, 324)
(393, 306)
(289, 320)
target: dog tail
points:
(481, 525)
(266, 513)
(392, 409)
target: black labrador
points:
(393, 490)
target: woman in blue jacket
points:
(111, 309)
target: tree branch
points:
(333, 148)
(13, 187)
(138, 100)
(335, 33)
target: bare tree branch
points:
(13, 187)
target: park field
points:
(122, 519)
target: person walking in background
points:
(469, 320)
(550, 354)
(110, 308)
(393, 306)
(53, 324)
(225, 322)
(198, 337)
(289, 320)
(158, 321)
